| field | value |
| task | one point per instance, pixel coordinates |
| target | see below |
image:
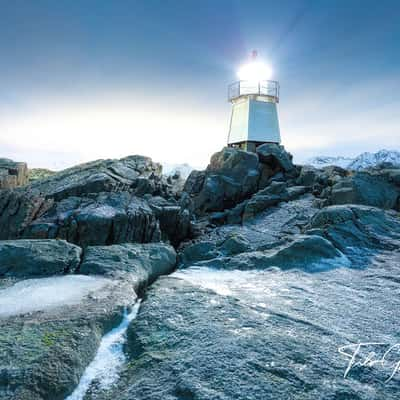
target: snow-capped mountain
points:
(324, 161)
(364, 160)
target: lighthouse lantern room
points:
(254, 117)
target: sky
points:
(82, 80)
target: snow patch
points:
(45, 293)
(104, 370)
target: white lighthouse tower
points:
(254, 118)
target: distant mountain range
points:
(364, 160)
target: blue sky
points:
(97, 79)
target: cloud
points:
(57, 134)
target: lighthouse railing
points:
(260, 88)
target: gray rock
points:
(25, 258)
(18, 208)
(194, 182)
(96, 219)
(138, 174)
(103, 202)
(265, 231)
(266, 173)
(12, 174)
(265, 198)
(231, 176)
(104, 218)
(373, 188)
(261, 335)
(202, 250)
(235, 244)
(275, 155)
(259, 203)
(309, 175)
(143, 263)
(311, 253)
(44, 353)
(355, 227)
(295, 191)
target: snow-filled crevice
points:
(104, 370)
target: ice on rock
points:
(41, 294)
(104, 370)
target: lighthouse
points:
(254, 98)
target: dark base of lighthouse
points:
(248, 145)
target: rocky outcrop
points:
(234, 175)
(29, 258)
(51, 327)
(354, 227)
(379, 188)
(141, 263)
(12, 174)
(272, 195)
(104, 202)
(264, 231)
(137, 174)
(231, 177)
(103, 218)
(311, 253)
(19, 208)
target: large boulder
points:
(309, 175)
(144, 263)
(234, 175)
(231, 176)
(25, 258)
(275, 155)
(12, 174)
(364, 187)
